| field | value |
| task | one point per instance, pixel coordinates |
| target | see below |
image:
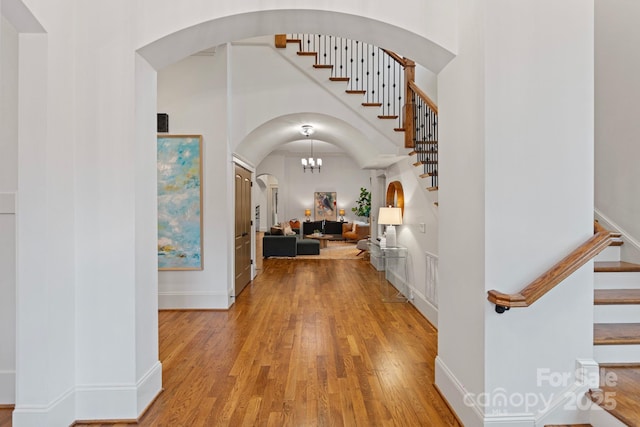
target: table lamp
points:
(341, 213)
(390, 217)
(307, 213)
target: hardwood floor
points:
(308, 342)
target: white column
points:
(516, 197)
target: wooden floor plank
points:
(308, 342)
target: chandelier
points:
(311, 162)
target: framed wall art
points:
(325, 206)
(179, 202)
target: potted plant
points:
(363, 204)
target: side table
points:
(394, 263)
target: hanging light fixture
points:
(311, 162)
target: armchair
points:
(355, 232)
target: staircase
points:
(616, 340)
(385, 81)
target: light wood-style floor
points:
(308, 343)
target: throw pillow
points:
(288, 231)
(354, 227)
(294, 223)
(276, 230)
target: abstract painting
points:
(180, 202)
(325, 206)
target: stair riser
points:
(628, 313)
(611, 253)
(624, 280)
(617, 353)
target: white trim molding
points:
(149, 386)
(631, 248)
(126, 401)
(565, 408)
(168, 300)
(59, 412)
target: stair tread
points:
(615, 266)
(622, 384)
(616, 333)
(568, 425)
(432, 188)
(322, 66)
(425, 162)
(356, 92)
(372, 104)
(616, 296)
(427, 142)
(388, 117)
(339, 79)
(398, 129)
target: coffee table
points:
(322, 238)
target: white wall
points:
(194, 94)
(297, 188)
(81, 177)
(497, 229)
(8, 188)
(418, 209)
(617, 64)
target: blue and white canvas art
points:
(180, 202)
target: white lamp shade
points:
(390, 216)
(319, 162)
(304, 162)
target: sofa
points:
(326, 227)
(288, 246)
(361, 231)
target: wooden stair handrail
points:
(424, 96)
(556, 274)
(399, 59)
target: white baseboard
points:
(94, 402)
(149, 386)
(455, 394)
(425, 308)
(631, 248)
(7, 387)
(192, 300)
(106, 402)
(570, 406)
(60, 412)
(564, 409)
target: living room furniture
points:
(361, 231)
(308, 247)
(322, 238)
(289, 246)
(393, 273)
(333, 228)
(363, 246)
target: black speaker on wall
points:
(163, 122)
